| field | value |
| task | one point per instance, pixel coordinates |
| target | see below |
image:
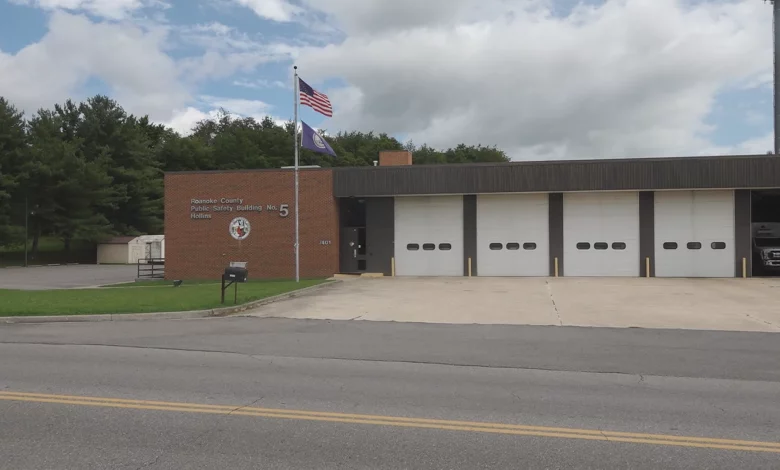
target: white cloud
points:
(131, 61)
(241, 107)
(260, 84)
(626, 78)
(184, 119)
(756, 146)
(112, 9)
(378, 16)
(276, 10)
(622, 78)
(227, 51)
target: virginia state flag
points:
(314, 142)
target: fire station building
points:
(664, 217)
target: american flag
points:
(314, 99)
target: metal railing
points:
(152, 268)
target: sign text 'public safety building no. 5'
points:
(203, 208)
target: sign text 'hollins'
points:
(203, 208)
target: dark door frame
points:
(352, 250)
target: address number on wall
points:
(326, 242)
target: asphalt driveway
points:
(65, 277)
(701, 304)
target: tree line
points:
(89, 171)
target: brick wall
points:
(395, 158)
(201, 248)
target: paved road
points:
(65, 277)
(262, 393)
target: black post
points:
(776, 50)
(235, 293)
(26, 228)
(223, 289)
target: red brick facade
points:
(198, 243)
(395, 158)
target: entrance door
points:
(353, 249)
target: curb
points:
(227, 311)
(188, 315)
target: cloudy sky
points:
(542, 79)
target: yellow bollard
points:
(647, 267)
(392, 267)
(556, 267)
(469, 267)
(744, 268)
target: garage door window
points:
(429, 247)
(513, 246)
(694, 246)
(445, 246)
(670, 246)
(600, 246)
(529, 246)
(718, 245)
(413, 247)
(583, 246)
(496, 246)
(618, 246)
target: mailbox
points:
(235, 274)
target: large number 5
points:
(283, 210)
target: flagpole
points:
(295, 140)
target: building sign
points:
(240, 228)
(202, 209)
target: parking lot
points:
(706, 304)
(65, 277)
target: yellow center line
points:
(484, 427)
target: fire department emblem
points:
(240, 228)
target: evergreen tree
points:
(13, 146)
(107, 133)
(90, 170)
(68, 192)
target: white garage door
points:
(513, 235)
(429, 236)
(694, 234)
(601, 234)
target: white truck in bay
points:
(766, 248)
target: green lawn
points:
(160, 297)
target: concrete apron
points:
(708, 304)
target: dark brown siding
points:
(742, 231)
(380, 234)
(556, 232)
(646, 232)
(756, 171)
(470, 234)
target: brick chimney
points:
(395, 158)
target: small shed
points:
(129, 250)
